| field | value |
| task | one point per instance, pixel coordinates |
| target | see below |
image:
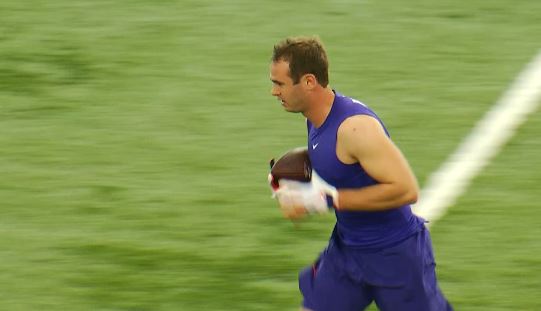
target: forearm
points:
(377, 197)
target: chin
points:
(289, 109)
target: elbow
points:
(411, 195)
(406, 196)
(414, 192)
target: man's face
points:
(283, 88)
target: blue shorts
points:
(401, 277)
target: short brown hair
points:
(304, 55)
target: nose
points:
(274, 91)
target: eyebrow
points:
(277, 82)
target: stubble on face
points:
(283, 88)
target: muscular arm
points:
(361, 139)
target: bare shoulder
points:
(360, 125)
(360, 129)
(358, 134)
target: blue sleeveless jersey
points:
(356, 228)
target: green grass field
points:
(135, 137)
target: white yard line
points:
(485, 141)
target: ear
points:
(309, 81)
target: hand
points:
(288, 207)
(293, 212)
(297, 199)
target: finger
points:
(287, 200)
(273, 182)
(293, 212)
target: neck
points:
(320, 106)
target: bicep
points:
(365, 141)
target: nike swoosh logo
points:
(315, 146)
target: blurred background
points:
(135, 138)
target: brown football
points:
(294, 165)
